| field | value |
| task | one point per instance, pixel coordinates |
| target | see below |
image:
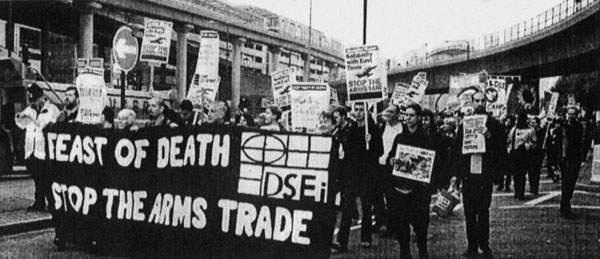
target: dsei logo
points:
(284, 166)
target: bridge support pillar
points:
(181, 70)
(274, 60)
(236, 73)
(86, 28)
(334, 71)
(306, 59)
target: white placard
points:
(92, 95)
(414, 163)
(308, 101)
(205, 82)
(473, 139)
(156, 43)
(366, 77)
(281, 81)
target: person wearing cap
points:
(33, 120)
(69, 113)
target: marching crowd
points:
(515, 149)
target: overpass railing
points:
(523, 30)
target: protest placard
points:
(92, 95)
(462, 87)
(552, 105)
(205, 192)
(473, 140)
(366, 78)
(308, 101)
(417, 87)
(156, 43)
(205, 83)
(400, 96)
(282, 81)
(414, 163)
(496, 93)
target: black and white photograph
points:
(252, 129)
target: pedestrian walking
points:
(572, 156)
(409, 200)
(520, 143)
(478, 172)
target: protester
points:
(363, 180)
(245, 120)
(189, 117)
(409, 200)
(535, 167)
(346, 133)
(554, 148)
(478, 183)
(160, 114)
(107, 118)
(33, 120)
(218, 113)
(506, 177)
(69, 112)
(572, 156)
(127, 120)
(441, 179)
(326, 123)
(391, 129)
(272, 116)
(520, 142)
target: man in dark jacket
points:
(572, 156)
(408, 200)
(478, 172)
(355, 177)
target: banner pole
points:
(366, 123)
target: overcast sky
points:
(398, 26)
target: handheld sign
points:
(157, 41)
(125, 49)
(366, 78)
(473, 140)
(308, 101)
(282, 81)
(92, 95)
(205, 82)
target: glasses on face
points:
(478, 100)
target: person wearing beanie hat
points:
(33, 120)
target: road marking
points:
(545, 206)
(541, 199)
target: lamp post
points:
(307, 67)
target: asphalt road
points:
(519, 229)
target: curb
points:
(588, 187)
(26, 226)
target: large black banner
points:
(209, 192)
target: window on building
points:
(258, 59)
(258, 47)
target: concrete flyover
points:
(185, 12)
(567, 42)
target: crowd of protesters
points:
(366, 146)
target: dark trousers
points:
(534, 172)
(520, 162)
(570, 173)
(351, 191)
(41, 179)
(379, 196)
(407, 210)
(477, 197)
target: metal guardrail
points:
(523, 30)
